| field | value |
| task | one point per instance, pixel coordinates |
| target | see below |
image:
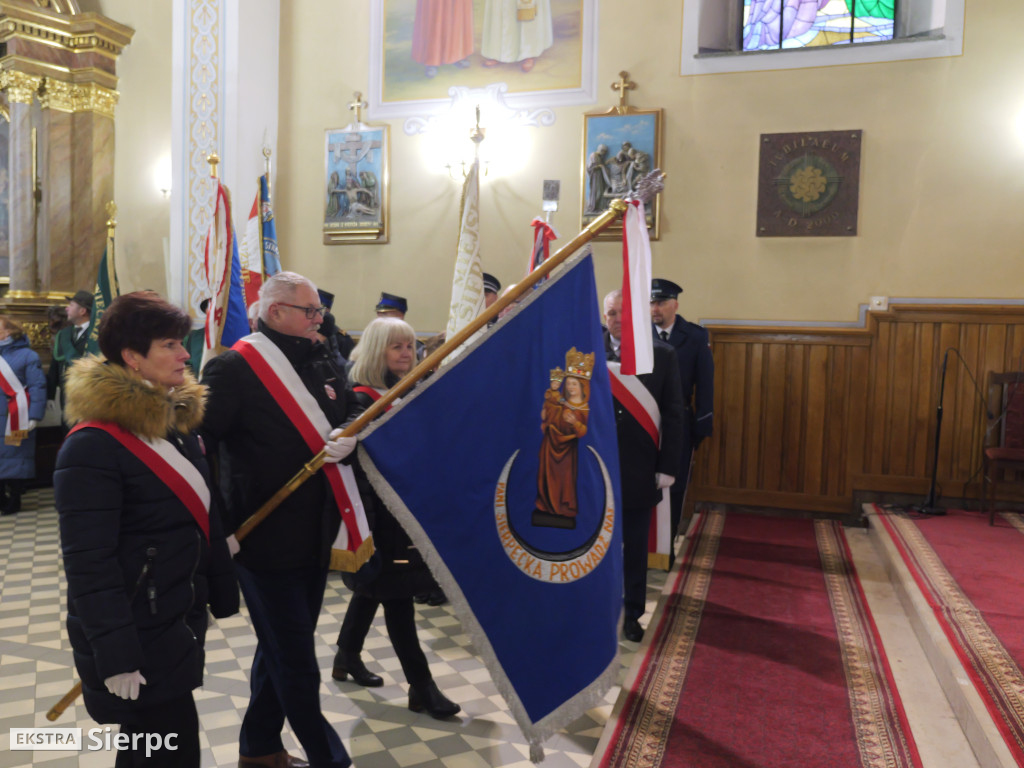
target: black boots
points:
(350, 664)
(428, 697)
(10, 496)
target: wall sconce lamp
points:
(476, 135)
(508, 144)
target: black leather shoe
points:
(632, 630)
(429, 698)
(346, 664)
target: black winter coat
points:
(403, 573)
(140, 570)
(259, 450)
(697, 379)
(639, 458)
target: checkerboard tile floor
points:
(378, 729)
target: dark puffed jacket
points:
(140, 570)
(639, 458)
(259, 450)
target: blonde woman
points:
(385, 353)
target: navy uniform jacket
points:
(639, 458)
(696, 374)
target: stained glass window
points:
(770, 25)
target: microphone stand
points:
(929, 508)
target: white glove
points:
(126, 685)
(663, 481)
(338, 447)
(233, 546)
(32, 424)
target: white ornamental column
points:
(225, 87)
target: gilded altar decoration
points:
(808, 184)
(564, 417)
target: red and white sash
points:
(632, 395)
(17, 405)
(354, 544)
(165, 461)
(374, 393)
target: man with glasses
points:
(265, 395)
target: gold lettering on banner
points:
(538, 567)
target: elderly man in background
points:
(263, 394)
(646, 465)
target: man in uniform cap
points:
(696, 374)
(69, 343)
(491, 287)
(391, 305)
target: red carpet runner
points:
(966, 569)
(765, 656)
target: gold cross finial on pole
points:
(624, 84)
(358, 106)
(213, 159)
(111, 218)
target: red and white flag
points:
(543, 234)
(637, 352)
(251, 253)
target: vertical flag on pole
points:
(271, 257)
(106, 288)
(226, 319)
(468, 282)
(637, 351)
(251, 253)
(258, 254)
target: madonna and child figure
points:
(564, 418)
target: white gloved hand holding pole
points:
(338, 447)
(663, 481)
(125, 685)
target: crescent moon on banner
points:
(554, 567)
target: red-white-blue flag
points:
(519, 521)
(226, 319)
(258, 254)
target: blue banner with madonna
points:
(503, 468)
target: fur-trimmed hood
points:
(100, 391)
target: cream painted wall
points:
(942, 172)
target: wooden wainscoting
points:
(804, 419)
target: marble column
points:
(22, 200)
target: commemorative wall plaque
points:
(808, 184)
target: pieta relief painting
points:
(356, 199)
(619, 149)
